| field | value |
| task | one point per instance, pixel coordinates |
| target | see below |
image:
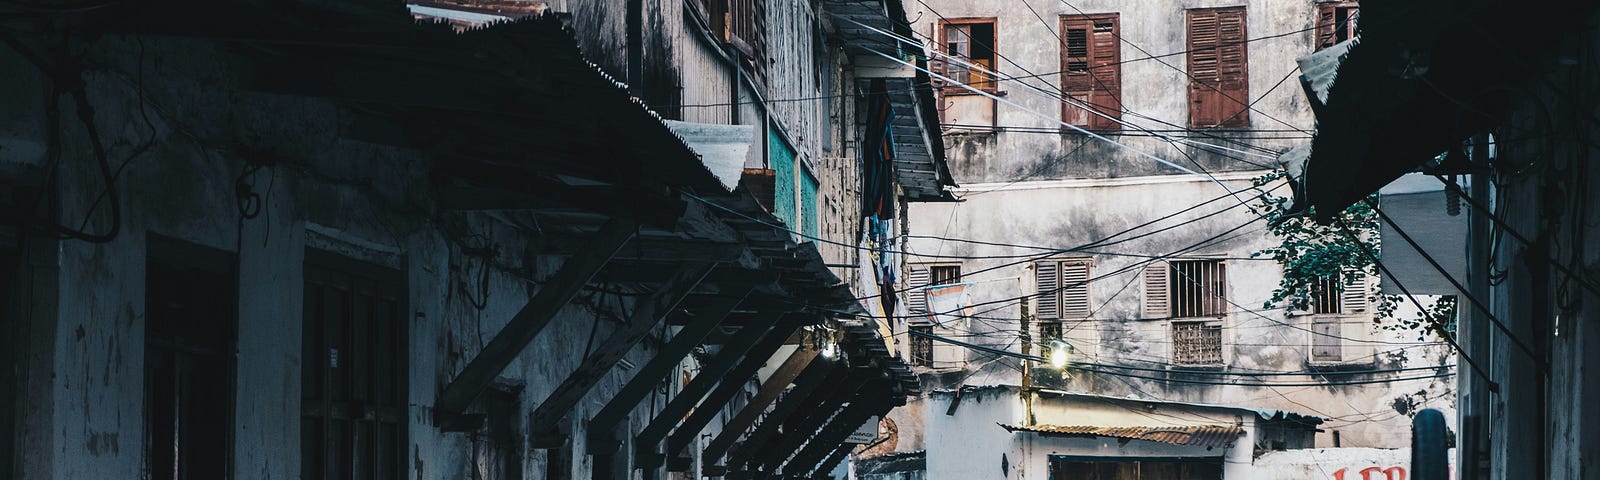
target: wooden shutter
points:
(1075, 290)
(1047, 285)
(917, 302)
(1091, 70)
(1218, 66)
(1156, 294)
(747, 31)
(1326, 24)
(1353, 293)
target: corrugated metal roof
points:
(1209, 436)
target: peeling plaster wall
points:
(83, 412)
(1154, 88)
(1070, 213)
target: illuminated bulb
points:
(827, 350)
(1058, 357)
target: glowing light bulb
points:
(828, 350)
(1058, 357)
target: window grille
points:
(1196, 343)
(1197, 288)
(921, 347)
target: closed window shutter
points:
(1047, 285)
(1156, 295)
(1091, 71)
(1217, 63)
(1353, 293)
(1075, 290)
(1105, 58)
(918, 301)
(1326, 340)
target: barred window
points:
(922, 347)
(1196, 343)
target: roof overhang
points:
(1421, 77)
(1205, 436)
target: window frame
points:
(920, 352)
(321, 267)
(166, 253)
(1326, 25)
(943, 67)
(917, 303)
(1200, 90)
(1207, 308)
(1206, 328)
(1090, 96)
(1058, 299)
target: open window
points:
(1340, 313)
(1185, 289)
(1091, 71)
(966, 53)
(1336, 22)
(929, 275)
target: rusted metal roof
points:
(1209, 436)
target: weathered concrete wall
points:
(1333, 464)
(1154, 88)
(358, 200)
(1065, 214)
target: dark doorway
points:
(11, 357)
(1112, 468)
(189, 336)
(353, 379)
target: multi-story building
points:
(1108, 153)
(321, 239)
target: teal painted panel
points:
(808, 204)
(780, 158)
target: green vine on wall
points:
(1313, 253)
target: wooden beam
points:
(759, 343)
(601, 437)
(813, 371)
(872, 401)
(801, 428)
(797, 401)
(543, 424)
(533, 318)
(837, 456)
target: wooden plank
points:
(646, 315)
(801, 428)
(797, 401)
(601, 437)
(872, 401)
(813, 372)
(533, 318)
(759, 343)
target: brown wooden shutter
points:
(1156, 291)
(1218, 64)
(1047, 286)
(1326, 24)
(917, 301)
(1091, 71)
(1353, 293)
(1075, 290)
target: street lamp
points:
(1058, 353)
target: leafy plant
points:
(1312, 254)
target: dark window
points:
(966, 54)
(1336, 22)
(1048, 333)
(1062, 469)
(921, 347)
(497, 451)
(1219, 86)
(11, 351)
(1325, 295)
(1196, 343)
(353, 414)
(1197, 288)
(1091, 71)
(925, 275)
(747, 32)
(189, 331)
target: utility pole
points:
(1027, 366)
